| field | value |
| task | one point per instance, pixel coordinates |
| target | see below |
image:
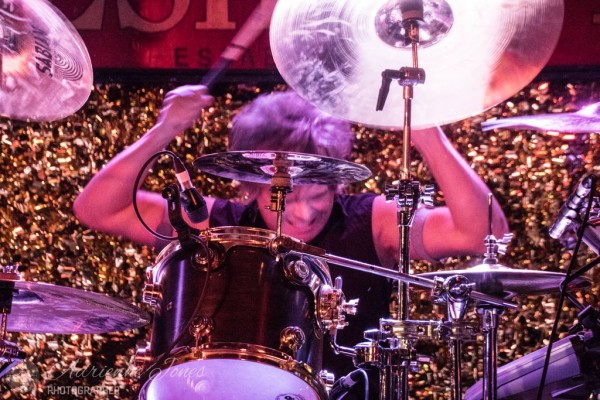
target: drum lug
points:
(151, 294)
(202, 329)
(143, 356)
(297, 272)
(291, 339)
(215, 255)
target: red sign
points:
(192, 34)
(163, 33)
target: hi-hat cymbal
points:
(475, 54)
(45, 308)
(304, 169)
(583, 121)
(496, 279)
(45, 69)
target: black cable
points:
(145, 374)
(135, 190)
(563, 290)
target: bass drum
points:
(257, 329)
(573, 373)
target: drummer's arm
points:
(456, 229)
(106, 203)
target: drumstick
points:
(258, 21)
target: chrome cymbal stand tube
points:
(457, 290)
(490, 316)
(281, 185)
(395, 365)
(490, 313)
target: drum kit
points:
(257, 306)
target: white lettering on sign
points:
(217, 17)
(128, 18)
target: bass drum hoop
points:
(244, 352)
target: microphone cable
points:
(135, 190)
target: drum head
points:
(228, 379)
(231, 371)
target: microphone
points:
(569, 211)
(342, 386)
(193, 202)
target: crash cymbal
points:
(475, 54)
(45, 69)
(496, 279)
(583, 121)
(304, 169)
(45, 308)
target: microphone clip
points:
(173, 197)
(193, 202)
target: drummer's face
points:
(307, 209)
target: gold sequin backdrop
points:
(45, 166)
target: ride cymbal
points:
(45, 69)
(496, 279)
(475, 54)
(585, 120)
(259, 167)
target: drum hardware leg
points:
(456, 290)
(459, 332)
(489, 320)
(397, 358)
(455, 370)
(291, 339)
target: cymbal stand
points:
(10, 354)
(394, 378)
(281, 185)
(456, 293)
(398, 336)
(490, 313)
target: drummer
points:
(361, 227)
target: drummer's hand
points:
(182, 106)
